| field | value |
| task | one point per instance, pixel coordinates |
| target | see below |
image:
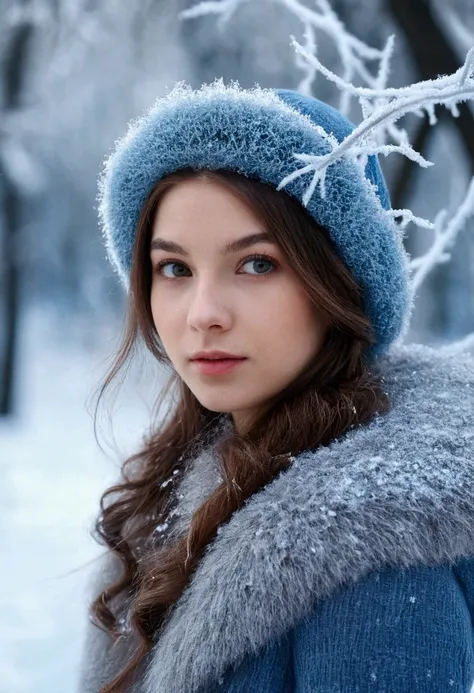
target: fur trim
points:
(397, 492)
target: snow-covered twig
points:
(381, 107)
(305, 85)
(223, 8)
(392, 104)
(407, 217)
(354, 54)
(445, 236)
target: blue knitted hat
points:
(255, 132)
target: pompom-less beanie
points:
(256, 132)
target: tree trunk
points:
(433, 56)
(14, 68)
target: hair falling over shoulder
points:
(335, 393)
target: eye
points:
(258, 258)
(164, 263)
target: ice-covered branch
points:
(305, 85)
(381, 106)
(223, 8)
(445, 236)
(407, 216)
(386, 106)
(354, 54)
(462, 74)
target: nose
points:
(209, 308)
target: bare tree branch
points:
(433, 55)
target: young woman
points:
(302, 518)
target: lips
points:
(217, 356)
(217, 366)
(227, 358)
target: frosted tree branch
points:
(354, 54)
(385, 106)
(407, 217)
(305, 85)
(445, 236)
(381, 108)
(224, 8)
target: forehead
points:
(205, 208)
(200, 199)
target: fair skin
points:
(206, 300)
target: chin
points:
(215, 407)
(221, 404)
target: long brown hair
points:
(336, 392)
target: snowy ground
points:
(52, 474)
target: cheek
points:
(168, 323)
(302, 327)
(293, 311)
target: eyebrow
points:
(231, 247)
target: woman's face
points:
(206, 298)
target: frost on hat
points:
(256, 132)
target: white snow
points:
(52, 474)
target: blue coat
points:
(352, 571)
(395, 631)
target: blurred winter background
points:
(72, 74)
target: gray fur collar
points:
(398, 491)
